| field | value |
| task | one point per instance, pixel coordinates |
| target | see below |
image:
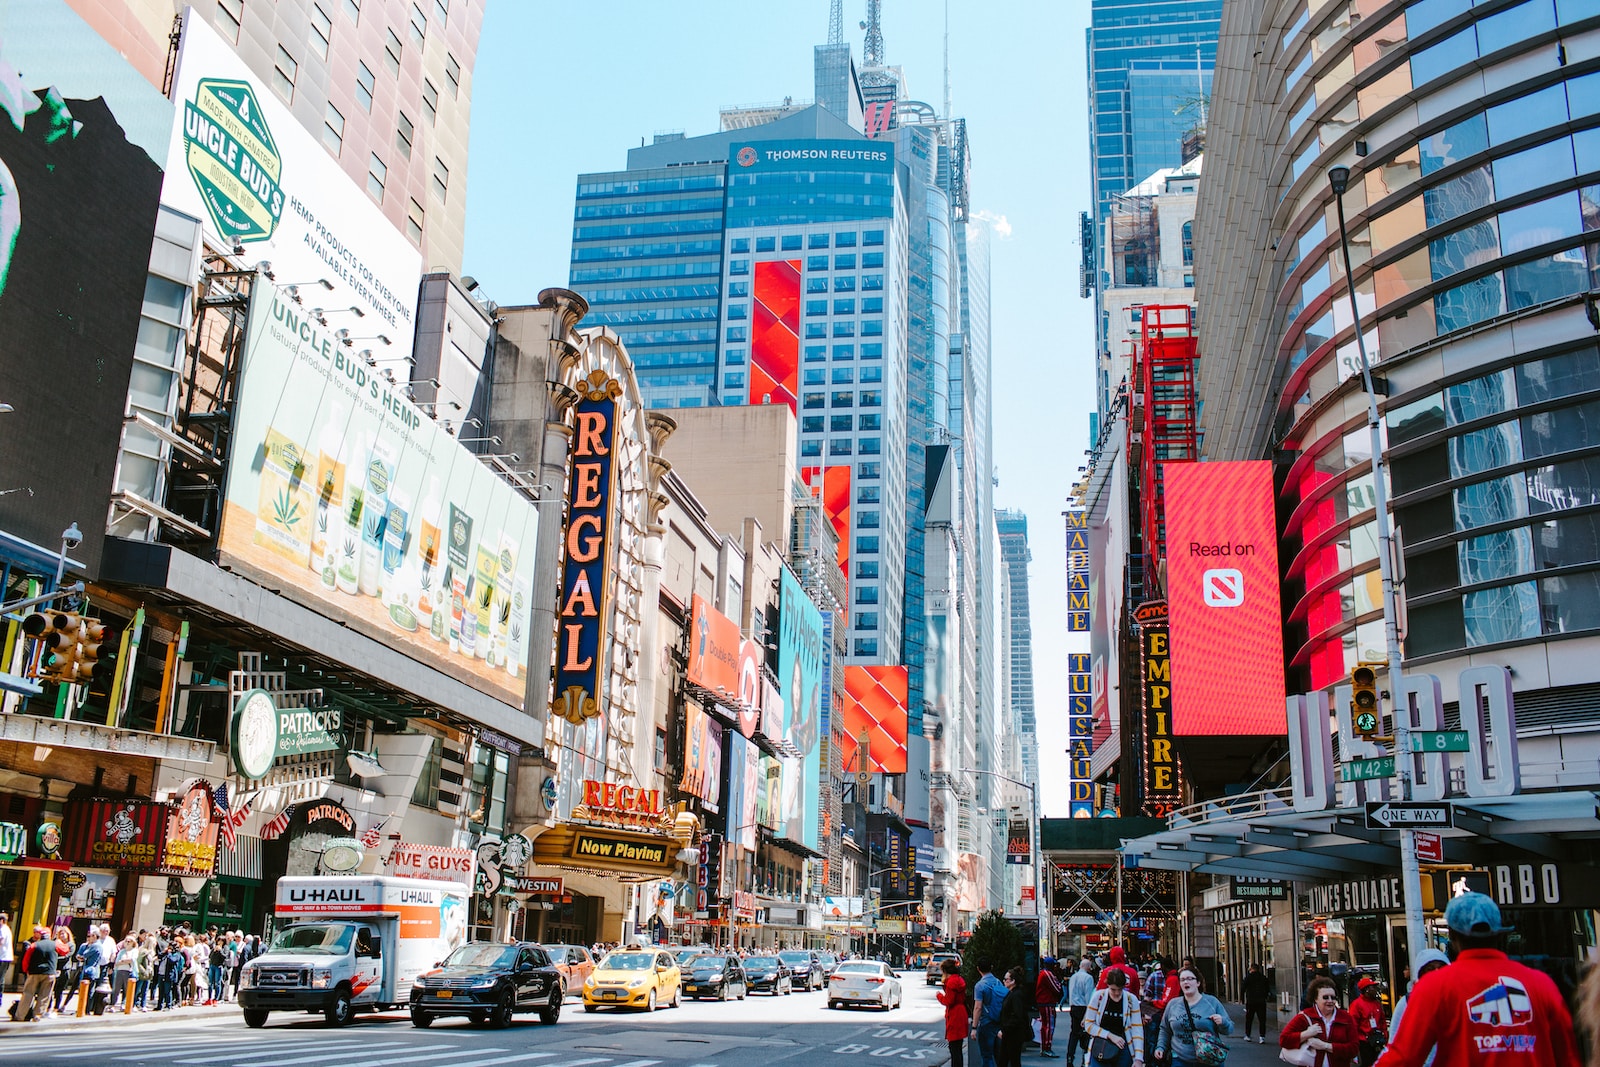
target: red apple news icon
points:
(1223, 587)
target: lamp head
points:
(1339, 179)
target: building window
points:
(284, 72)
(740, 334)
(866, 594)
(739, 289)
(352, 9)
(871, 260)
(791, 242)
(844, 351)
(816, 285)
(866, 568)
(869, 471)
(1188, 281)
(414, 221)
(844, 329)
(452, 73)
(816, 263)
(867, 546)
(816, 353)
(871, 327)
(815, 376)
(376, 173)
(738, 312)
(839, 446)
(740, 245)
(866, 620)
(844, 399)
(844, 240)
(733, 381)
(845, 283)
(321, 31)
(840, 423)
(872, 237)
(872, 283)
(816, 331)
(333, 129)
(391, 52)
(1188, 244)
(846, 306)
(868, 494)
(871, 351)
(230, 16)
(845, 262)
(419, 26)
(872, 305)
(844, 375)
(872, 374)
(766, 244)
(871, 422)
(811, 424)
(735, 357)
(869, 520)
(442, 9)
(818, 240)
(816, 307)
(660, 757)
(872, 398)
(441, 180)
(866, 646)
(871, 446)
(403, 134)
(814, 400)
(811, 449)
(366, 81)
(430, 100)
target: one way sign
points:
(1389, 815)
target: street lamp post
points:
(1039, 904)
(1410, 872)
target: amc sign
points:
(581, 620)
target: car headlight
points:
(715, 979)
(588, 983)
(247, 979)
(636, 983)
(321, 979)
(484, 983)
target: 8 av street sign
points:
(1392, 815)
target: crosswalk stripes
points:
(272, 1055)
(318, 1049)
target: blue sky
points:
(565, 89)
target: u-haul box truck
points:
(347, 944)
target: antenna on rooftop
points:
(836, 22)
(872, 50)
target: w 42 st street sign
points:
(1395, 815)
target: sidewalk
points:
(1240, 1053)
(70, 1020)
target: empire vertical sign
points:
(1077, 572)
(586, 576)
(1080, 734)
(1162, 771)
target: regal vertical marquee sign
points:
(1077, 572)
(1162, 772)
(586, 576)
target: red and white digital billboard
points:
(875, 705)
(832, 484)
(1222, 589)
(775, 334)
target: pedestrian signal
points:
(1364, 699)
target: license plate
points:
(610, 994)
(688, 989)
(445, 994)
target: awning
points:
(604, 850)
(1261, 835)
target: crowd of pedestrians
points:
(147, 971)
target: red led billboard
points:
(875, 705)
(1222, 590)
(833, 485)
(775, 334)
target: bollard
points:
(83, 997)
(127, 999)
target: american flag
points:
(371, 837)
(230, 819)
(274, 829)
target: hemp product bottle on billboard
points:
(458, 544)
(330, 494)
(398, 583)
(380, 479)
(429, 542)
(499, 613)
(347, 545)
(517, 639)
(284, 509)
(483, 595)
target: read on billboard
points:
(1222, 588)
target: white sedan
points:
(864, 982)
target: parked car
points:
(489, 982)
(936, 966)
(575, 964)
(643, 978)
(803, 964)
(829, 963)
(722, 977)
(864, 982)
(768, 974)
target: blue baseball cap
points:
(1474, 914)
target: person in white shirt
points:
(7, 954)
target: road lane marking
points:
(637, 1063)
(427, 1051)
(238, 1056)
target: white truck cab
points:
(346, 944)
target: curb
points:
(110, 1018)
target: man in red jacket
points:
(1483, 1009)
(1119, 962)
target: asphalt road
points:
(797, 1030)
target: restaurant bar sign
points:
(261, 731)
(1259, 889)
(586, 574)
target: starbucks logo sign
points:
(233, 159)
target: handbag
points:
(1103, 1050)
(1209, 1049)
(1301, 1057)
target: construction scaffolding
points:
(1164, 425)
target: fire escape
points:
(1163, 424)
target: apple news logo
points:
(1223, 587)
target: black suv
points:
(805, 966)
(489, 982)
(722, 977)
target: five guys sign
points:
(586, 576)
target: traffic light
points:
(97, 652)
(59, 635)
(1364, 699)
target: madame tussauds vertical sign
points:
(586, 576)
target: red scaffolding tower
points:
(1163, 426)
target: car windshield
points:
(313, 939)
(558, 953)
(489, 955)
(795, 957)
(860, 968)
(760, 963)
(701, 962)
(628, 961)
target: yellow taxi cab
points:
(633, 978)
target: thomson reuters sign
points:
(1222, 589)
